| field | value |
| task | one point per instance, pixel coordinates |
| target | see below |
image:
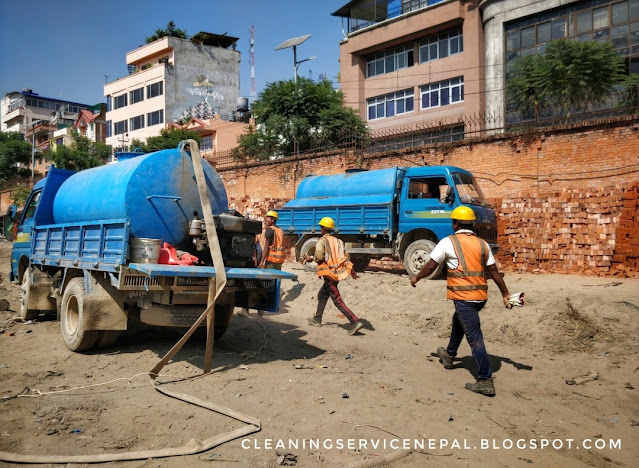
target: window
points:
(137, 95)
(155, 118)
(29, 212)
(206, 143)
(137, 122)
(120, 127)
(109, 99)
(390, 60)
(119, 101)
(441, 46)
(156, 89)
(428, 187)
(109, 125)
(392, 104)
(442, 93)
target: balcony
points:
(362, 14)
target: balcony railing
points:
(382, 10)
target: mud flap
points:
(103, 304)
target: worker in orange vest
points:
(270, 251)
(333, 266)
(272, 242)
(468, 258)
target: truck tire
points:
(417, 255)
(308, 249)
(25, 292)
(72, 317)
(360, 263)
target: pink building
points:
(404, 62)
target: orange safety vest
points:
(336, 265)
(277, 252)
(468, 281)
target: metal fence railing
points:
(424, 134)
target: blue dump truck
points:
(400, 212)
(88, 243)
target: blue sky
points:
(64, 48)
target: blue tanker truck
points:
(399, 212)
(87, 248)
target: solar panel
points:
(292, 42)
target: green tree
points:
(291, 116)
(170, 31)
(574, 76)
(168, 138)
(81, 154)
(19, 195)
(15, 156)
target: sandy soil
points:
(294, 378)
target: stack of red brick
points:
(572, 231)
(625, 261)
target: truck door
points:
(22, 242)
(424, 205)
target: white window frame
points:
(153, 86)
(117, 101)
(137, 119)
(398, 56)
(150, 115)
(121, 123)
(382, 102)
(430, 48)
(140, 94)
(442, 88)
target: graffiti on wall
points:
(206, 108)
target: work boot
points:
(315, 321)
(485, 387)
(355, 328)
(444, 356)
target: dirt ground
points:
(320, 386)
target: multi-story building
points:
(405, 62)
(92, 124)
(172, 80)
(22, 109)
(516, 28)
(216, 135)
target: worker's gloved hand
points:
(515, 300)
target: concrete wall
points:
(202, 76)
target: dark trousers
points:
(329, 289)
(466, 321)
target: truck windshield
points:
(468, 190)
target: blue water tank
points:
(351, 184)
(156, 192)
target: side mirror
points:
(450, 194)
(13, 212)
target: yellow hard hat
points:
(327, 222)
(463, 213)
(272, 214)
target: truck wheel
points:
(25, 293)
(72, 318)
(360, 263)
(417, 255)
(308, 249)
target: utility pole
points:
(253, 94)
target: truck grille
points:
(487, 232)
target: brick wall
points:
(558, 185)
